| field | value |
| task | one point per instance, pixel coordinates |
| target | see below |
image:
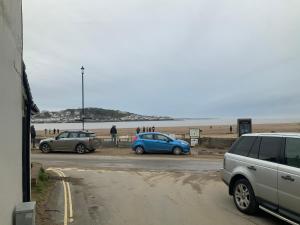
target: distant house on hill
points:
(15, 111)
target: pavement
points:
(142, 190)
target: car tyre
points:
(45, 148)
(139, 150)
(177, 151)
(244, 197)
(80, 149)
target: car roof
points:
(151, 133)
(81, 131)
(286, 134)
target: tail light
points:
(134, 139)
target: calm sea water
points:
(171, 123)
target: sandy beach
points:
(207, 131)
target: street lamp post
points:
(82, 88)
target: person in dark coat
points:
(33, 135)
(138, 130)
(113, 133)
(230, 128)
(153, 129)
(57, 131)
(144, 129)
(54, 131)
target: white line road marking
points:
(67, 196)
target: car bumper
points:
(226, 176)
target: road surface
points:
(144, 190)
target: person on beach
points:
(153, 129)
(144, 129)
(33, 135)
(138, 130)
(113, 133)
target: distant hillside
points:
(92, 115)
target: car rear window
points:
(270, 148)
(243, 145)
(292, 152)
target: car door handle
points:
(289, 178)
(251, 168)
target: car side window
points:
(147, 136)
(63, 135)
(161, 137)
(292, 152)
(82, 135)
(270, 149)
(255, 148)
(243, 146)
(73, 135)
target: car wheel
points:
(244, 197)
(177, 151)
(80, 149)
(139, 150)
(45, 148)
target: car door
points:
(162, 143)
(59, 144)
(289, 180)
(72, 141)
(266, 170)
(148, 142)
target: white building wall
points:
(10, 108)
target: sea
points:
(183, 122)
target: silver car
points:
(263, 172)
(78, 141)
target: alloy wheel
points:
(242, 196)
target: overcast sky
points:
(187, 58)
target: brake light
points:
(134, 139)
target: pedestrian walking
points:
(33, 135)
(230, 128)
(54, 131)
(46, 132)
(144, 129)
(113, 133)
(153, 129)
(138, 130)
(57, 131)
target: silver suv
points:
(263, 171)
(78, 141)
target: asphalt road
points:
(144, 190)
(145, 162)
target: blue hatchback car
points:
(154, 142)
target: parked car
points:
(78, 141)
(263, 171)
(155, 142)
